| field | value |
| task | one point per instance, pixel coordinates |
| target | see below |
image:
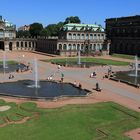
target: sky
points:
(25, 12)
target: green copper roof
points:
(82, 27)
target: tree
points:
(35, 29)
(23, 34)
(44, 32)
(72, 19)
(53, 29)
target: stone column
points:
(6, 45)
(14, 45)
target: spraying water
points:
(79, 58)
(136, 66)
(36, 74)
(4, 61)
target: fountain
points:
(136, 66)
(36, 73)
(4, 61)
(35, 89)
(79, 58)
(132, 76)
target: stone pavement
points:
(111, 91)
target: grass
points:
(94, 60)
(8, 62)
(71, 122)
(132, 57)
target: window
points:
(86, 36)
(74, 36)
(70, 36)
(91, 37)
(78, 36)
(83, 36)
(64, 47)
(74, 47)
(95, 37)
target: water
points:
(4, 61)
(35, 75)
(48, 89)
(79, 58)
(128, 76)
(136, 66)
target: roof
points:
(82, 27)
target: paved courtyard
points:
(111, 90)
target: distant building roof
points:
(82, 27)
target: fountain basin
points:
(128, 76)
(12, 68)
(74, 64)
(47, 90)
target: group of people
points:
(11, 76)
(77, 85)
(93, 74)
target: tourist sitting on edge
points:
(51, 78)
(92, 75)
(11, 76)
(75, 84)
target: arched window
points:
(70, 36)
(102, 36)
(83, 36)
(91, 37)
(98, 36)
(10, 45)
(25, 44)
(74, 47)
(60, 46)
(78, 36)
(29, 44)
(64, 47)
(74, 36)
(69, 47)
(95, 37)
(78, 47)
(98, 46)
(17, 44)
(82, 47)
(21, 44)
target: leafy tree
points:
(72, 19)
(35, 29)
(53, 29)
(44, 32)
(23, 34)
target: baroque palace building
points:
(89, 38)
(8, 40)
(124, 33)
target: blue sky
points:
(21, 12)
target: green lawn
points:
(71, 122)
(123, 56)
(8, 62)
(95, 60)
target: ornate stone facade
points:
(8, 40)
(124, 34)
(88, 38)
